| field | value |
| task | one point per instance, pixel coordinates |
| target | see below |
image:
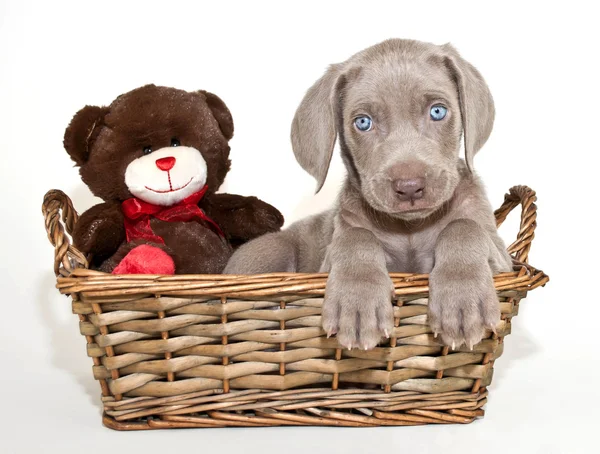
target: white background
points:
(540, 62)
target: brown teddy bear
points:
(156, 156)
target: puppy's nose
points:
(165, 164)
(409, 189)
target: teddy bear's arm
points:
(100, 230)
(242, 218)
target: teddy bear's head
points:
(158, 144)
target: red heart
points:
(146, 259)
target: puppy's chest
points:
(409, 253)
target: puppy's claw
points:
(387, 334)
(435, 335)
(453, 345)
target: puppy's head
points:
(399, 109)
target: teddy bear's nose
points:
(165, 164)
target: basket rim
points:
(524, 277)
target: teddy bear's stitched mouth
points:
(170, 190)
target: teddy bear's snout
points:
(166, 176)
(166, 164)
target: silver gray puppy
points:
(409, 202)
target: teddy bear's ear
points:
(82, 131)
(220, 112)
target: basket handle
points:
(70, 257)
(526, 197)
(66, 256)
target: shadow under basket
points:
(227, 350)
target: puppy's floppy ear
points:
(83, 131)
(220, 112)
(314, 126)
(476, 103)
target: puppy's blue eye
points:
(437, 112)
(363, 123)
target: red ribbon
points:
(138, 213)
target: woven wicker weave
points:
(213, 351)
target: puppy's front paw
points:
(462, 304)
(358, 309)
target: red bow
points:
(138, 213)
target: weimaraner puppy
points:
(409, 202)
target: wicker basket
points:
(214, 351)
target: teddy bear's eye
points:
(147, 149)
(175, 142)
